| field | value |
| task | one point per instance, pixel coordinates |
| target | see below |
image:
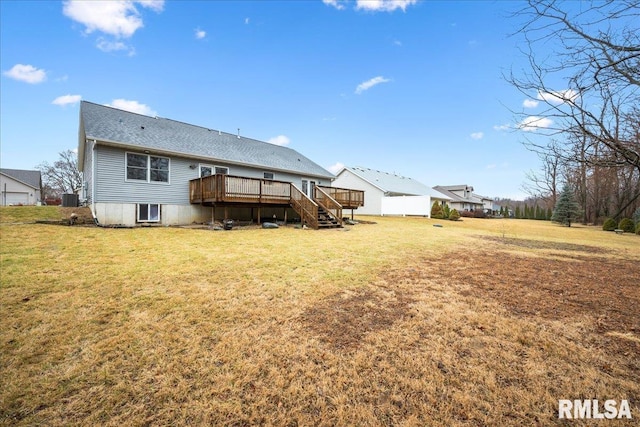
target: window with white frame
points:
(148, 168)
(207, 170)
(148, 212)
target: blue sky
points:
(404, 86)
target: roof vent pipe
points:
(238, 133)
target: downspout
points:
(93, 181)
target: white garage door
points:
(17, 198)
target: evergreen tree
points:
(549, 214)
(567, 209)
(501, 211)
(518, 214)
(446, 210)
(436, 211)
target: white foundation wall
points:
(406, 205)
(125, 214)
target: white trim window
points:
(148, 212)
(208, 170)
(147, 168)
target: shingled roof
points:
(28, 177)
(111, 126)
(393, 184)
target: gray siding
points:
(111, 185)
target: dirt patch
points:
(604, 291)
(342, 321)
(538, 244)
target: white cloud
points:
(491, 166)
(397, 42)
(338, 4)
(133, 106)
(26, 73)
(477, 135)
(119, 18)
(200, 34)
(558, 97)
(502, 127)
(66, 100)
(533, 123)
(334, 169)
(384, 5)
(279, 140)
(530, 103)
(114, 46)
(247, 20)
(155, 5)
(370, 83)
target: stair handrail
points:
(329, 204)
(305, 206)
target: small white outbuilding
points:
(388, 193)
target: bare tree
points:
(544, 184)
(595, 57)
(63, 176)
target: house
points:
(388, 193)
(463, 198)
(139, 170)
(20, 187)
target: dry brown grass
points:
(482, 322)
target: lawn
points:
(478, 322)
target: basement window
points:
(148, 212)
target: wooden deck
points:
(323, 210)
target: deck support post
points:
(285, 216)
(226, 213)
(259, 214)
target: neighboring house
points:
(389, 194)
(20, 187)
(139, 169)
(463, 199)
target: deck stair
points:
(327, 220)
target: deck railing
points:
(348, 198)
(328, 203)
(228, 188)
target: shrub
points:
(466, 214)
(636, 216)
(436, 211)
(446, 211)
(638, 228)
(454, 215)
(479, 213)
(626, 224)
(609, 225)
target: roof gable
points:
(118, 127)
(28, 177)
